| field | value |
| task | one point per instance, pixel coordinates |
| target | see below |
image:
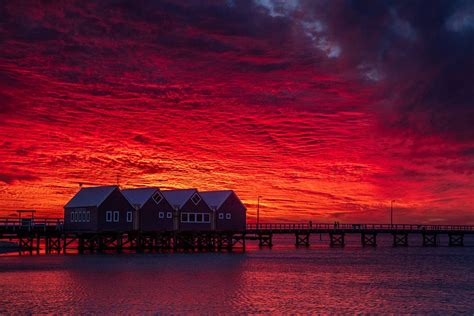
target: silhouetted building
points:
(102, 208)
(155, 213)
(194, 213)
(230, 213)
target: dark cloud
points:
(6, 105)
(420, 62)
(142, 139)
(13, 176)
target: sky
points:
(328, 110)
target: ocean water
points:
(284, 279)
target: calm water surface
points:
(282, 280)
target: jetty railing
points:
(340, 226)
(59, 223)
(8, 223)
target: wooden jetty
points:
(48, 236)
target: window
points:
(221, 215)
(108, 216)
(195, 218)
(81, 216)
(169, 215)
(129, 217)
(199, 218)
(157, 197)
(72, 216)
(88, 216)
(161, 214)
(228, 216)
(196, 198)
(116, 216)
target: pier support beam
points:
(230, 241)
(53, 243)
(163, 241)
(369, 239)
(400, 239)
(265, 240)
(336, 239)
(25, 243)
(302, 239)
(430, 239)
(80, 246)
(456, 240)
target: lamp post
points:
(391, 213)
(258, 211)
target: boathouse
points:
(230, 212)
(155, 213)
(194, 213)
(102, 208)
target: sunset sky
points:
(327, 109)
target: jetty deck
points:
(47, 235)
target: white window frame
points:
(228, 216)
(72, 216)
(129, 217)
(186, 218)
(193, 198)
(221, 215)
(116, 216)
(108, 216)
(169, 215)
(81, 216)
(154, 197)
(88, 216)
(161, 215)
(200, 215)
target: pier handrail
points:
(31, 223)
(58, 223)
(328, 226)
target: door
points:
(136, 220)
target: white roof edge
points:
(225, 199)
(99, 203)
(143, 203)
(182, 202)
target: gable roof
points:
(177, 198)
(93, 196)
(139, 196)
(215, 199)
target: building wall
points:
(115, 202)
(80, 218)
(201, 208)
(238, 215)
(149, 216)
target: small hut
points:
(102, 208)
(155, 213)
(230, 212)
(194, 213)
